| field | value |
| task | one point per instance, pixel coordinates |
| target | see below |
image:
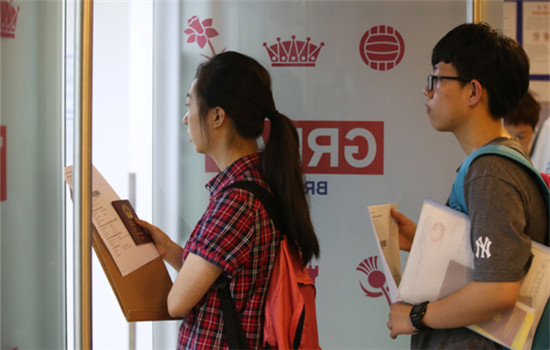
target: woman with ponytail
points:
(228, 103)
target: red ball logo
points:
(382, 47)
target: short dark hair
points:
(527, 112)
(477, 51)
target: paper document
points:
(387, 238)
(535, 287)
(441, 262)
(525, 316)
(127, 255)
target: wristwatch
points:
(416, 315)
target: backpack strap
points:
(457, 200)
(232, 324)
(263, 195)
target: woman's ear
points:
(218, 117)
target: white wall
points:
(418, 161)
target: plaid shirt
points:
(236, 234)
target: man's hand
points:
(407, 228)
(399, 320)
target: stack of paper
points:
(441, 262)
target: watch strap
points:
(417, 314)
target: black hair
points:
(242, 87)
(478, 51)
(527, 112)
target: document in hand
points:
(441, 262)
(127, 255)
(132, 264)
(387, 239)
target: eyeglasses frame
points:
(432, 77)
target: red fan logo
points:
(382, 47)
(375, 278)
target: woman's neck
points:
(228, 155)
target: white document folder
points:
(441, 262)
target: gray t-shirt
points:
(506, 211)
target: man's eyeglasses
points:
(432, 78)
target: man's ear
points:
(476, 91)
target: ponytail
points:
(282, 169)
(242, 87)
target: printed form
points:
(440, 261)
(127, 255)
(387, 239)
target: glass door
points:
(32, 241)
(120, 122)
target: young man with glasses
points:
(479, 75)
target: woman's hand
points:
(407, 228)
(195, 276)
(168, 250)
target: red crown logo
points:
(8, 15)
(293, 53)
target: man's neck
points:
(480, 132)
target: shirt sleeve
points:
(541, 150)
(500, 246)
(226, 231)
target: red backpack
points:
(290, 318)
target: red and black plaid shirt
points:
(236, 234)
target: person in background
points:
(540, 153)
(228, 102)
(479, 75)
(521, 122)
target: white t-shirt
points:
(541, 151)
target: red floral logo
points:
(375, 278)
(201, 33)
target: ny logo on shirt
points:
(483, 248)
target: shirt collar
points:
(238, 170)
